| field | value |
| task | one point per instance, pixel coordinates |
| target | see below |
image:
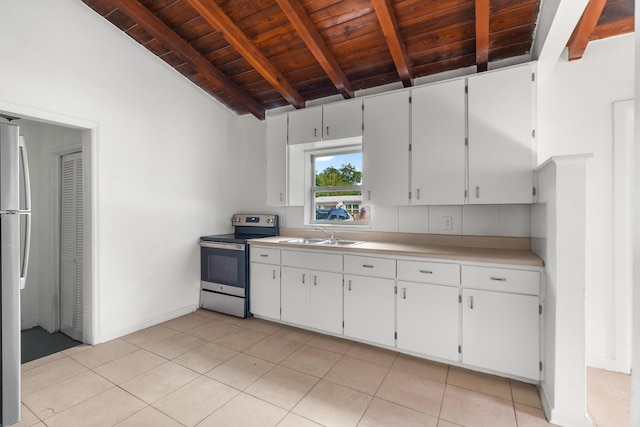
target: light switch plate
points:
(447, 223)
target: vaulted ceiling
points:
(255, 55)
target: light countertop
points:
(495, 250)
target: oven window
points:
(223, 267)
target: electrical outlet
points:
(447, 223)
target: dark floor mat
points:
(37, 343)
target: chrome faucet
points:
(328, 233)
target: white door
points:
(385, 150)
(342, 120)
(294, 287)
(500, 332)
(369, 309)
(276, 160)
(305, 125)
(501, 157)
(325, 296)
(438, 152)
(265, 290)
(71, 247)
(428, 319)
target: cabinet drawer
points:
(265, 255)
(312, 260)
(429, 272)
(501, 279)
(368, 266)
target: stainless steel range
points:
(224, 264)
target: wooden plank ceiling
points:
(255, 55)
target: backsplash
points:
(467, 220)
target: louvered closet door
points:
(71, 284)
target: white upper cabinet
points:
(277, 160)
(305, 125)
(333, 121)
(438, 134)
(501, 157)
(385, 149)
(342, 120)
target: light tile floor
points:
(207, 369)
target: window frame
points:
(311, 155)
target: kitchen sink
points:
(303, 241)
(338, 242)
(328, 242)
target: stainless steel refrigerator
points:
(15, 231)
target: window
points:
(336, 193)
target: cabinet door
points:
(325, 310)
(500, 332)
(277, 160)
(369, 309)
(385, 150)
(295, 295)
(428, 319)
(342, 120)
(500, 136)
(305, 125)
(438, 152)
(264, 290)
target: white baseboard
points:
(605, 363)
(570, 420)
(563, 418)
(152, 321)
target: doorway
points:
(57, 300)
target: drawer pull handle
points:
(499, 279)
(274, 274)
(349, 285)
(404, 293)
(426, 271)
(471, 303)
(367, 266)
(264, 255)
(303, 278)
(315, 280)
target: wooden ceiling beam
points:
(582, 33)
(610, 29)
(158, 29)
(389, 24)
(482, 34)
(314, 41)
(219, 20)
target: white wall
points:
(575, 110)
(43, 141)
(160, 155)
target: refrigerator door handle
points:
(27, 249)
(27, 206)
(27, 175)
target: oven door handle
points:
(222, 245)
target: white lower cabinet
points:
(369, 309)
(500, 331)
(481, 316)
(264, 291)
(295, 295)
(312, 298)
(428, 319)
(325, 301)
